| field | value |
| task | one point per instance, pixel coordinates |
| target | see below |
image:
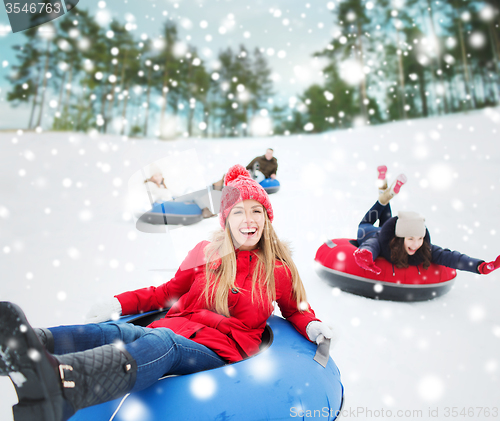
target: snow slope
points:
(67, 240)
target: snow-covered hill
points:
(67, 240)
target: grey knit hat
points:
(410, 224)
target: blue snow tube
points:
(281, 382)
(172, 213)
(271, 185)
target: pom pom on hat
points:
(239, 186)
(410, 224)
(234, 172)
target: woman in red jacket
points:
(219, 299)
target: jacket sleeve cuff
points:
(127, 305)
(301, 320)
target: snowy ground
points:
(66, 241)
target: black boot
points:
(46, 338)
(97, 375)
(33, 371)
(54, 388)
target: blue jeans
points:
(377, 212)
(157, 351)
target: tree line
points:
(388, 61)
(397, 59)
(106, 79)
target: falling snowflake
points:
(431, 388)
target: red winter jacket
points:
(232, 338)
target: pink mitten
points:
(364, 259)
(488, 267)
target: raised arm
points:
(288, 304)
(252, 162)
(454, 259)
(372, 245)
(154, 298)
(276, 167)
(367, 252)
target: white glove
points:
(317, 331)
(102, 312)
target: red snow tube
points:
(335, 263)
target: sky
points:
(290, 31)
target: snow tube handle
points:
(323, 351)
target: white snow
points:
(431, 388)
(18, 378)
(80, 248)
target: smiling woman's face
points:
(246, 222)
(412, 244)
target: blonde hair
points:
(220, 279)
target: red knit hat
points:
(240, 186)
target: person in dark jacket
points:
(219, 299)
(267, 164)
(261, 167)
(404, 240)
